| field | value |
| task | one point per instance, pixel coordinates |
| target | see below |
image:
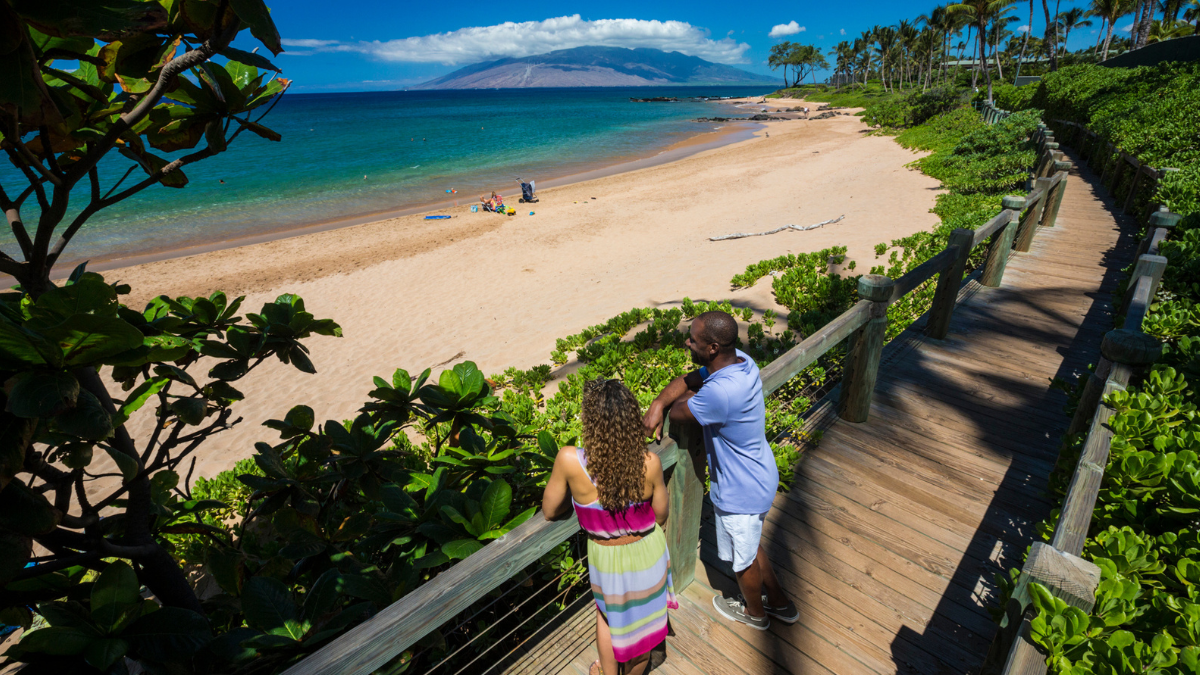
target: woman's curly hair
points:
(615, 443)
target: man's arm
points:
(679, 390)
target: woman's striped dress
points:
(630, 582)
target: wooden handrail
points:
(923, 272)
(397, 627)
(803, 355)
(989, 228)
(1057, 566)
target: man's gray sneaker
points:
(734, 609)
(787, 613)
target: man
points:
(725, 397)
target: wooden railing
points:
(1113, 161)
(1057, 565)
(400, 625)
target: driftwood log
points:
(740, 235)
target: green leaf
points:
(115, 592)
(256, 14)
(248, 58)
(495, 503)
(223, 391)
(89, 338)
(104, 652)
(267, 604)
(190, 410)
(169, 634)
(56, 641)
(461, 548)
(26, 512)
(20, 346)
(322, 597)
(301, 417)
(138, 397)
(42, 393)
(127, 465)
(88, 419)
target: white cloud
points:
(1023, 29)
(841, 31)
(789, 28)
(516, 40)
(1125, 28)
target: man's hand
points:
(652, 421)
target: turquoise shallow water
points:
(411, 146)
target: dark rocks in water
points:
(719, 119)
(655, 99)
(832, 107)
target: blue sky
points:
(374, 44)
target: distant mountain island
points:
(595, 67)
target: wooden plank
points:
(925, 550)
(908, 600)
(839, 624)
(1030, 449)
(685, 487)
(844, 558)
(712, 647)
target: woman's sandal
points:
(596, 668)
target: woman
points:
(618, 492)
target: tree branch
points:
(44, 136)
(166, 79)
(95, 206)
(13, 135)
(118, 183)
(34, 181)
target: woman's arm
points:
(556, 501)
(660, 500)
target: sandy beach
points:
(499, 290)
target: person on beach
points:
(616, 487)
(725, 397)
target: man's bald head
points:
(717, 327)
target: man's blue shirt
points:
(741, 467)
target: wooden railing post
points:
(1000, 246)
(949, 280)
(866, 346)
(1048, 158)
(685, 487)
(1033, 216)
(1068, 578)
(1151, 266)
(1161, 223)
(1054, 199)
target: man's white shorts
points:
(738, 535)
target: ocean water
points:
(354, 154)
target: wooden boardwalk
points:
(894, 529)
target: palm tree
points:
(1192, 13)
(1069, 20)
(1167, 30)
(982, 12)
(1110, 11)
